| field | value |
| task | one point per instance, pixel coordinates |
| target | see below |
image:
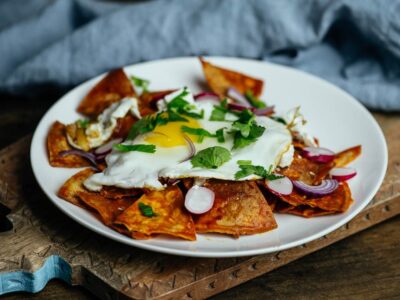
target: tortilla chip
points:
(123, 127)
(113, 192)
(347, 156)
(306, 170)
(56, 143)
(171, 218)
(220, 79)
(305, 211)
(107, 209)
(147, 101)
(239, 209)
(74, 185)
(338, 201)
(112, 88)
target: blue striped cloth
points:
(59, 43)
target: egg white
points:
(143, 170)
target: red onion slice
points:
(318, 154)
(237, 96)
(326, 187)
(192, 148)
(267, 111)
(281, 186)
(106, 148)
(87, 155)
(199, 200)
(203, 96)
(342, 174)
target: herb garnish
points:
(219, 111)
(245, 130)
(146, 210)
(141, 83)
(246, 169)
(202, 133)
(178, 105)
(137, 147)
(278, 119)
(211, 158)
(253, 100)
(83, 123)
(146, 124)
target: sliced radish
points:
(325, 188)
(281, 186)
(318, 154)
(106, 148)
(199, 200)
(342, 174)
(203, 96)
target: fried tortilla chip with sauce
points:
(239, 209)
(220, 80)
(159, 212)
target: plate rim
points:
(214, 254)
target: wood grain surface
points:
(363, 266)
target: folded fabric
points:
(355, 43)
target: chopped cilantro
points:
(253, 100)
(211, 158)
(84, 123)
(202, 133)
(146, 210)
(179, 105)
(141, 83)
(219, 111)
(245, 130)
(136, 147)
(246, 169)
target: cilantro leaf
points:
(220, 135)
(179, 105)
(219, 111)
(253, 100)
(246, 169)
(83, 123)
(211, 158)
(146, 210)
(241, 141)
(136, 147)
(141, 83)
(202, 133)
(278, 119)
(245, 130)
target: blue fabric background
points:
(354, 44)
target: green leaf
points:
(211, 158)
(178, 105)
(83, 123)
(254, 101)
(219, 111)
(241, 141)
(140, 82)
(146, 210)
(144, 125)
(202, 133)
(220, 135)
(244, 162)
(246, 169)
(137, 147)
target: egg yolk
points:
(170, 134)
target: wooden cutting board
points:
(45, 244)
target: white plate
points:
(336, 118)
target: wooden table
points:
(364, 266)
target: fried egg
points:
(143, 170)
